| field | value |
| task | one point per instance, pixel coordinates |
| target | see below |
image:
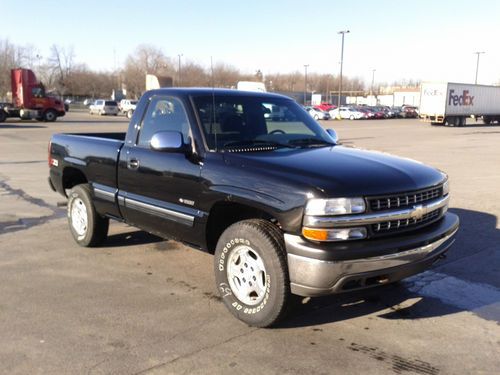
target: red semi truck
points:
(29, 99)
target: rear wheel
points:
(50, 115)
(3, 115)
(87, 227)
(251, 272)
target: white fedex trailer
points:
(451, 103)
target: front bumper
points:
(319, 269)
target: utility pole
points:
(179, 71)
(477, 64)
(343, 32)
(305, 83)
(373, 80)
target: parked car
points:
(127, 107)
(318, 114)
(327, 107)
(368, 114)
(350, 113)
(389, 113)
(409, 111)
(104, 107)
(397, 111)
(377, 114)
(67, 102)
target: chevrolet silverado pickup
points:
(283, 206)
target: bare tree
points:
(13, 56)
(194, 75)
(146, 59)
(60, 63)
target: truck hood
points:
(338, 171)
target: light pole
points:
(477, 64)
(179, 71)
(305, 83)
(373, 80)
(343, 32)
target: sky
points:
(424, 40)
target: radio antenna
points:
(213, 128)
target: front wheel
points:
(87, 227)
(251, 272)
(50, 115)
(130, 113)
(351, 117)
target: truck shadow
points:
(20, 126)
(102, 121)
(463, 264)
(131, 238)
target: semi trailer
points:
(451, 104)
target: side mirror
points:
(333, 135)
(167, 141)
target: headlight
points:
(340, 234)
(446, 188)
(335, 206)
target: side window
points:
(37, 92)
(163, 114)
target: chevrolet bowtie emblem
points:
(418, 212)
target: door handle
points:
(133, 164)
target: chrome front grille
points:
(410, 223)
(404, 200)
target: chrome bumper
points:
(315, 277)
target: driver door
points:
(159, 191)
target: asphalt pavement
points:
(143, 305)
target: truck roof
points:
(218, 92)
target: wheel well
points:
(72, 177)
(224, 214)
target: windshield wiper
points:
(310, 142)
(256, 143)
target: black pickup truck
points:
(253, 179)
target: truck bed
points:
(94, 154)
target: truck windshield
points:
(251, 123)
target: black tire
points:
(50, 115)
(486, 120)
(264, 241)
(316, 117)
(130, 113)
(3, 115)
(351, 117)
(96, 228)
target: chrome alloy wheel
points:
(79, 218)
(246, 275)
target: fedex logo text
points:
(460, 100)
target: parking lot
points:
(143, 305)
